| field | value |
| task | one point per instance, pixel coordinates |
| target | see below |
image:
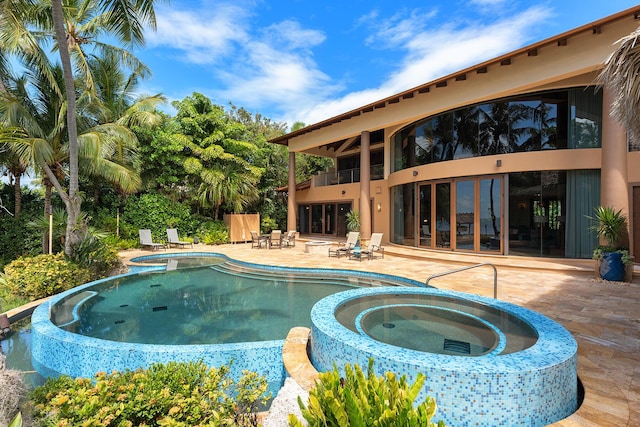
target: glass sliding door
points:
(474, 204)
(490, 214)
(330, 218)
(465, 217)
(316, 219)
(341, 220)
(425, 219)
(443, 215)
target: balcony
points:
(346, 176)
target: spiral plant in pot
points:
(610, 225)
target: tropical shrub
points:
(268, 224)
(171, 394)
(156, 213)
(213, 233)
(93, 254)
(17, 239)
(365, 401)
(41, 276)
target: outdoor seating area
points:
(146, 241)
(274, 239)
(174, 241)
(290, 239)
(345, 248)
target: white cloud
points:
(201, 36)
(273, 68)
(435, 52)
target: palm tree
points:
(122, 19)
(621, 73)
(116, 111)
(230, 182)
(106, 150)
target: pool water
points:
(199, 305)
(17, 349)
(180, 307)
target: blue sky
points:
(302, 60)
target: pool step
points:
(457, 346)
(311, 276)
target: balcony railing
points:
(346, 176)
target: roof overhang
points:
(592, 62)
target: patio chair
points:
(147, 241)
(173, 240)
(258, 241)
(276, 239)
(289, 239)
(375, 245)
(344, 248)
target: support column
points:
(365, 184)
(291, 199)
(614, 189)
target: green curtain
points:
(583, 195)
(585, 118)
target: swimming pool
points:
(500, 364)
(487, 362)
(226, 310)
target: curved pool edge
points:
(56, 351)
(533, 387)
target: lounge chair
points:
(375, 245)
(276, 239)
(289, 239)
(147, 241)
(258, 241)
(173, 240)
(344, 248)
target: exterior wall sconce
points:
(344, 192)
(498, 163)
(415, 173)
(379, 207)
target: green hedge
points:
(156, 213)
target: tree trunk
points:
(17, 195)
(47, 210)
(74, 203)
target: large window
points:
(537, 214)
(323, 218)
(543, 121)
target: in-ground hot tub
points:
(487, 362)
(317, 247)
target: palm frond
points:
(621, 74)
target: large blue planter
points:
(611, 267)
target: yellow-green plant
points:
(43, 275)
(177, 394)
(363, 401)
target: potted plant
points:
(610, 226)
(353, 222)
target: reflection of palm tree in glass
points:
(542, 130)
(465, 123)
(443, 148)
(492, 210)
(496, 131)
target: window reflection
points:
(543, 121)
